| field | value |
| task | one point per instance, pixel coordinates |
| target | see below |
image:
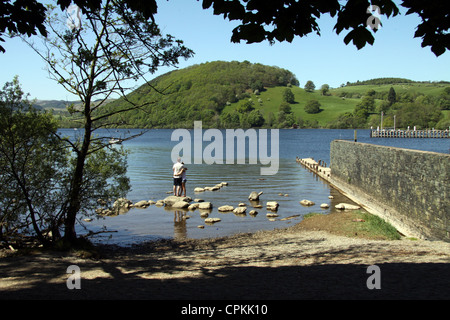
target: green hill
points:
(199, 92)
(241, 94)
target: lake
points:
(150, 172)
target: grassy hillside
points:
(241, 94)
(270, 100)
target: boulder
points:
(225, 208)
(204, 214)
(180, 205)
(240, 210)
(346, 206)
(122, 203)
(212, 220)
(253, 212)
(254, 196)
(272, 205)
(215, 188)
(271, 215)
(193, 206)
(120, 206)
(324, 205)
(171, 200)
(205, 205)
(198, 189)
(307, 203)
(141, 204)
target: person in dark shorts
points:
(177, 179)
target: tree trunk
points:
(70, 234)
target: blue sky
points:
(322, 59)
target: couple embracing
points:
(179, 178)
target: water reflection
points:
(179, 222)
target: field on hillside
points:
(270, 100)
(430, 89)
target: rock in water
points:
(272, 205)
(254, 196)
(141, 204)
(212, 220)
(225, 208)
(240, 210)
(171, 200)
(346, 206)
(205, 205)
(307, 203)
(122, 205)
(180, 205)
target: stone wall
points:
(408, 188)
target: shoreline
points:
(298, 262)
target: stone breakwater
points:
(318, 167)
(407, 188)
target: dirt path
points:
(293, 263)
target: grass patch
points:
(377, 227)
(355, 224)
(311, 214)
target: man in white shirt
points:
(177, 167)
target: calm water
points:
(150, 173)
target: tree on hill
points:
(285, 107)
(255, 118)
(245, 106)
(310, 86)
(312, 106)
(392, 96)
(364, 107)
(324, 89)
(288, 96)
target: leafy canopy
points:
(274, 20)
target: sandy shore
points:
(293, 263)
